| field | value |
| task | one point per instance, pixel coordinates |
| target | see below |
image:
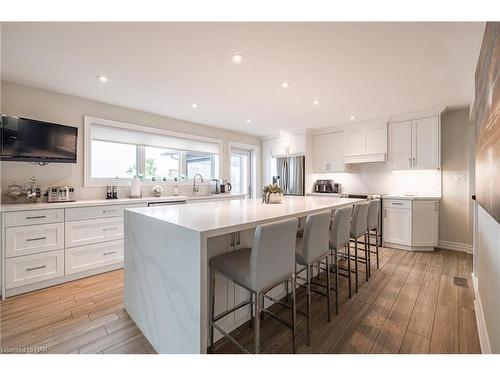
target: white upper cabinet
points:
(290, 145)
(415, 144)
(366, 142)
(328, 153)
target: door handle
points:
(36, 239)
(36, 268)
(109, 252)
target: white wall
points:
(70, 110)
(488, 273)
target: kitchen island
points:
(167, 250)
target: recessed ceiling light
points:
(237, 58)
(315, 102)
(102, 78)
(285, 84)
(352, 117)
(194, 105)
(249, 121)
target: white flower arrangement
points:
(157, 190)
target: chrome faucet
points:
(196, 189)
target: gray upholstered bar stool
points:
(339, 240)
(373, 226)
(312, 248)
(269, 263)
(359, 228)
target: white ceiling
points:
(368, 70)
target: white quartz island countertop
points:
(167, 253)
(214, 218)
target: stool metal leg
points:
(212, 311)
(376, 246)
(257, 323)
(294, 314)
(336, 281)
(348, 250)
(308, 275)
(356, 262)
(251, 309)
(328, 291)
(367, 259)
(287, 292)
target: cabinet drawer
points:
(14, 219)
(397, 203)
(34, 268)
(86, 232)
(34, 239)
(98, 212)
(87, 257)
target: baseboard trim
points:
(457, 246)
(484, 341)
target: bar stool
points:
(358, 229)
(269, 263)
(339, 238)
(311, 249)
(373, 225)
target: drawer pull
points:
(109, 252)
(108, 211)
(396, 204)
(36, 217)
(36, 268)
(36, 239)
(110, 228)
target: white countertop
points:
(412, 197)
(220, 217)
(107, 202)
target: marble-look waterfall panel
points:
(162, 283)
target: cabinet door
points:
(337, 148)
(400, 145)
(280, 146)
(397, 225)
(321, 153)
(355, 142)
(425, 223)
(376, 140)
(296, 144)
(425, 143)
(267, 159)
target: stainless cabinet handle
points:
(238, 238)
(414, 162)
(231, 239)
(109, 252)
(409, 162)
(110, 228)
(436, 206)
(397, 204)
(36, 239)
(107, 211)
(385, 212)
(36, 268)
(36, 217)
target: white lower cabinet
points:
(34, 268)
(33, 239)
(86, 232)
(410, 224)
(84, 258)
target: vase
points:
(275, 198)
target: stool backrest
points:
(273, 253)
(359, 223)
(341, 227)
(373, 213)
(316, 235)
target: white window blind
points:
(112, 134)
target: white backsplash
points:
(375, 178)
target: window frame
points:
(102, 182)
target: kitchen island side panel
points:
(162, 283)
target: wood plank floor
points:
(410, 305)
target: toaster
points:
(61, 194)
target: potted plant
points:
(272, 193)
(157, 190)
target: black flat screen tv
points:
(37, 141)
